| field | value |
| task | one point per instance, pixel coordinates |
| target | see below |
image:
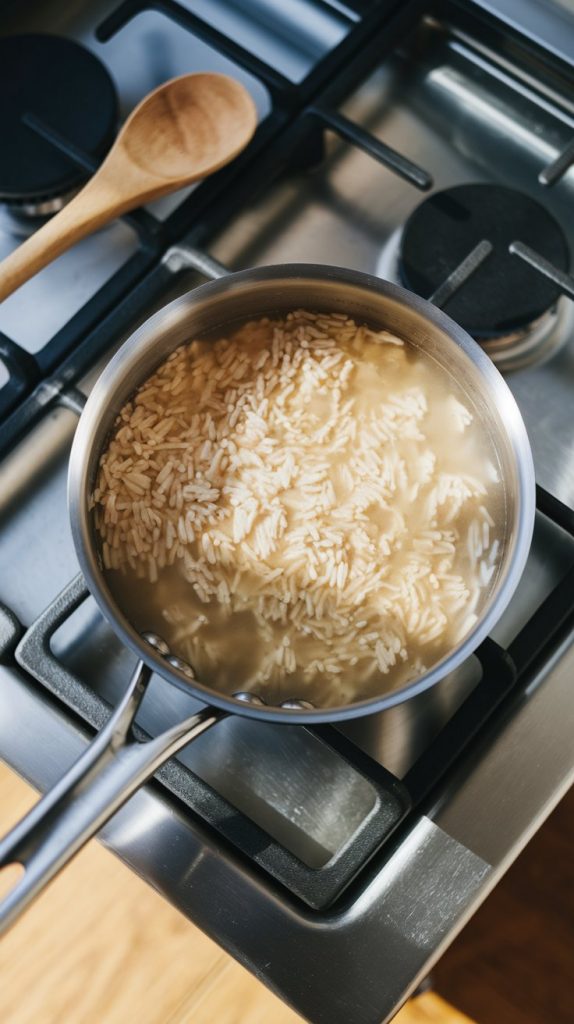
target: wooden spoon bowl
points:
(188, 128)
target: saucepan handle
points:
(112, 768)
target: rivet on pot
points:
(181, 666)
(249, 698)
(157, 643)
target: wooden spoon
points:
(185, 130)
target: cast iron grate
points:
(504, 673)
(35, 381)
(290, 136)
(317, 887)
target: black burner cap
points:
(503, 294)
(63, 85)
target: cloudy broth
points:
(305, 508)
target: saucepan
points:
(116, 764)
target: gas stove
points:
(428, 143)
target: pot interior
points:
(211, 311)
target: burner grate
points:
(93, 330)
(280, 87)
(316, 886)
(504, 675)
(289, 137)
(503, 295)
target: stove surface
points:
(451, 107)
(463, 107)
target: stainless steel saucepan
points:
(116, 764)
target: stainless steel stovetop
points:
(466, 100)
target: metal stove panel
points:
(418, 102)
(415, 896)
(146, 52)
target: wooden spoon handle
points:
(93, 206)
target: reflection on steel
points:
(124, 12)
(555, 170)
(180, 257)
(73, 399)
(543, 266)
(10, 631)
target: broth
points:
(307, 508)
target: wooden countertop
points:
(101, 947)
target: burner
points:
(503, 296)
(63, 87)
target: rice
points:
(306, 498)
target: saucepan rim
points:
(98, 406)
